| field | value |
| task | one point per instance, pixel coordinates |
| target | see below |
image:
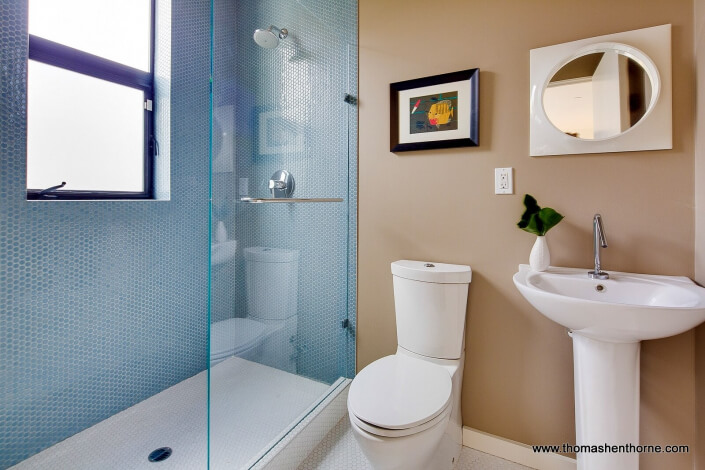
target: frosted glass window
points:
(84, 131)
(119, 30)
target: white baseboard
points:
(515, 451)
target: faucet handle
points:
(281, 184)
(600, 230)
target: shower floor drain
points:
(159, 455)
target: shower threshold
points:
(252, 409)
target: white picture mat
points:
(463, 130)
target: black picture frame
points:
(465, 129)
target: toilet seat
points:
(399, 395)
(235, 335)
(383, 432)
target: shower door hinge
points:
(345, 324)
(148, 105)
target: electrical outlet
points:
(503, 181)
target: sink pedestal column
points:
(606, 402)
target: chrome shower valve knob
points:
(281, 184)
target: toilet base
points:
(415, 452)
(279, 350)
(448, 451)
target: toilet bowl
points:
(395, 428)
(404, 409)
(240, 337)
(410, 452)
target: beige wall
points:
(440, 206)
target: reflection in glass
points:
(282, 294)
(598, 95)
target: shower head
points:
(269, 38)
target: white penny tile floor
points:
(340, 451)
(250, 406)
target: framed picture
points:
(277, 134)
(435, 112)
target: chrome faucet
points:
(598, 234)
(281, 184)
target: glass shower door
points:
(283, 228)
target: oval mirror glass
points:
(599, 95)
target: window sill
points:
(35, 195)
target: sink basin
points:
(624, 308)
(223, 251)
(608, 320)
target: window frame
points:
(65, 57)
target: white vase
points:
(540, 258)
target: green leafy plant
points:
(538, 220)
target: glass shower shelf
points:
(268, 200)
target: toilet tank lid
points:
(428, 271)
(270, 255)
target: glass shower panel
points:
(282, 274)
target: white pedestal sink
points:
(607, 320)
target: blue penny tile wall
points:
(103, 303)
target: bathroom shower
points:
(283, 306)
(269, 38)
(237, 318)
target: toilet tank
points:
(430, 300)
(272, 282)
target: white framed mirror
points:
(604, 94)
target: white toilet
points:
(268, 334)
(405, 409)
